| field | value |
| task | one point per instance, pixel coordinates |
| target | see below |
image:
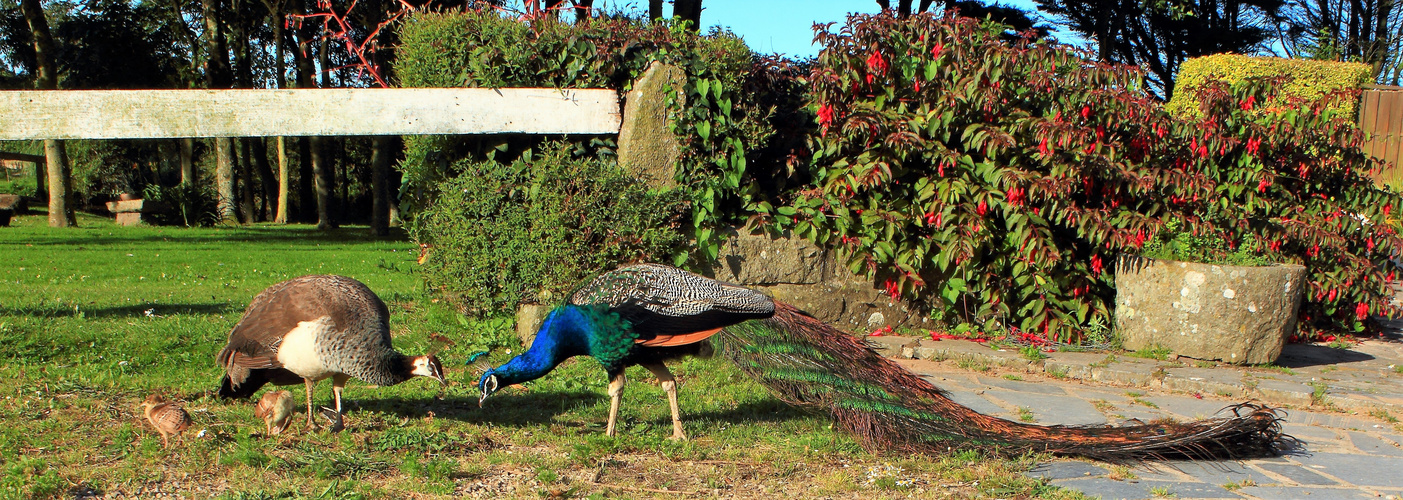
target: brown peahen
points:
(310, 328)
(645, 314)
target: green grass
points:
(1157, 352)
(95, 318)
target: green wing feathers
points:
(810, 364)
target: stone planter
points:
(1230, 313)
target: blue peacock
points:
(646, 314)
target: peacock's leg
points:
(311, 424)
(669, 384)
(616, 396)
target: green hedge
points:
(499, 234)
(1307, 79)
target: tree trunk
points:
(306, 199)
(655, 9)
(381, 157)
(41, 180)
(321, 161)
(688, 10)
(269, 186)
(903, 8)
(282, 181)
(275, 9)
(217, 77)
(187, 160)
(245, 178)
(55, 157)
(583, 9)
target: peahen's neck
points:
(563, 334)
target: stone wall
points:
(796, 271)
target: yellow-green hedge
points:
(1310, 78)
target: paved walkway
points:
(1342, 404)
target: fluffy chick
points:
(276, 409)
(167, 417)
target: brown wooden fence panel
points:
(1381, 115)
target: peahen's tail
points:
(811, 364)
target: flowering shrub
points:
(997, 181)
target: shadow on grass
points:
(291, 234)
(127, 311)
(532, 409)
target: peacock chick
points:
(311, 328)
(276, 409)
(166, 417)
(641, 315)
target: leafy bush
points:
(499, 234)
(1175, 242)
(739, 144)
(1305, 79)
(191, 204)
(997, 181)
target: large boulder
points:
(1234, 314)
(647, 146)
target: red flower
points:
(1387, 208)
(1369, 244)
(931, 218)
(1096, 264)
(1331, 296)
(982, 209)
(1086, 112)
(1016, 196)
(1361, 311)
(1139, 238)
(876, 64)
(1262, 186)
(825, 117)
(935, 52)
(1042, 147)
(892, 289)
(1247, 103)
(1100, 133)
(1159, 131)
(1253, 145)
(918, 85)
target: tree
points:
(1161, 34)
(217, 77)
(60, 186)
(1367, 31)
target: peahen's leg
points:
(616, 396)
(338, 382)
(669, 384)
(311, 424)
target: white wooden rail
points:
(158, 114)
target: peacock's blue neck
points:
(564, 333)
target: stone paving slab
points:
(1354, 453)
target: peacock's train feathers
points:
(813, 365)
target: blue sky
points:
(784, 26)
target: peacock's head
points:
(428, 366)
(488, 384)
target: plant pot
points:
(1234, 314)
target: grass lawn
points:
(95, 318)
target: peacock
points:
(310, 328)
(645, 314)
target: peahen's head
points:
(488, 384)
(427, 366)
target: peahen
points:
(310, 328)
(644, 314)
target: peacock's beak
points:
(481, 400)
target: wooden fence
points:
(1381, 115)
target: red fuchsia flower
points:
(1015, 196)
(880, 332)
(1096, 264)
(931, 217)
(1247, 103)
(892, 289)
(1253, 145)
(982, 208)
(825, 117)
(1387, 208)
(1139, 238)
(1262, 185)
(1085, 112)
(1314, 250)
(918, 85)
(1159, 131)
(1100, 133)
(938, 217)
(1275, 246)
(876, 64)
(1331, 296)
(935, 51)
(1369, 244)
(1361, 311)
(1390, 276)
(1042, 147)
